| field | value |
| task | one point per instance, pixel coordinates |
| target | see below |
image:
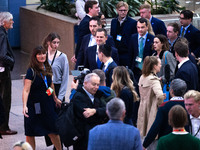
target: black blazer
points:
(109, 72)
(133, 49)
(127, 29)
(188, 72)
(158, 26)
(90, 57)
(83, 29)
(193, 36)
(84, 46)
(6, 54)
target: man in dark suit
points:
(89, 39)
(104, 54)
(191, 33)
(187, 71)
(114, 135)
(157, 24)
(88, 108)
(6, 65)
(140, 47)
(91, 56)
(92, 10)
(160, 126)
(122, 27)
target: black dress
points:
(43, 123)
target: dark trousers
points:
(5, 93)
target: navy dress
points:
(43, 123)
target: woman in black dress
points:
(39, 100)
(124, 89)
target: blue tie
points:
(141, 48)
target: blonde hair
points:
(146, 6)
(121, 4)
(150, 29)
(192, 94)
(121, 78)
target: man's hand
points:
(89, 112)
(74, 85)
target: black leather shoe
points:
(8, 132)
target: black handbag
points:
(68, 126)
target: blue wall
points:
(13, 7)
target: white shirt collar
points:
(192, 117)
(90, 95)
(176, 98)
(109, 61)
(182, 62)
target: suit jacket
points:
(90, 57)
(193, 36)
(160, 125)
(114, 135)
(6, 54)
(109, 72)
(158, 26)
(188, 73)
(133, 49)
(84, 46)
(80, 101)
(83, 29)
(126, 30)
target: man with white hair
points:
(6, 65)
(115, 135)
(88, 108)
(192, 105)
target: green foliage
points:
(65, 7)
(165, 6)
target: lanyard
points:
(45, 80)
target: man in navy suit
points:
(140, 47)
(157, 24)
(91, 56)
(104, 54)
(122, 27)
(114, 135)
(92, 10)
(187, 71)
(89, 39)
(191, 33)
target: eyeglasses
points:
(123, 10)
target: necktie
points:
(98, 62)
(141, 48)
(183, 30)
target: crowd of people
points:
(119, 102)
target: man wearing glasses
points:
(191, 33)
(122, 27)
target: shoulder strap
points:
(166, 57)
(34, 75)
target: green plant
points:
(66, 7)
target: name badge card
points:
(119, 38)
(138, 59)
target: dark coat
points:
(126, 30)
(6, 54)
(80, 101)
(84, 46)
(90, 57)
(158, 26)
(188, 72)
(109, 72)
(83, 29)
(193, 36)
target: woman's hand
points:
(25, 111)
(58, 102)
